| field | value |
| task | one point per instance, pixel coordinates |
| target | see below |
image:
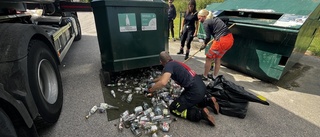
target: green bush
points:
(315, 45)
(182, 5)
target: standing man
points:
(223, 41)
(171, 16)
(192, 102)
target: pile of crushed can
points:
(145, 119)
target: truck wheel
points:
(78, 37)
(6, 125)
(45, 81)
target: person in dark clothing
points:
(223, 41)
(171, 16)
(192, 102)
(189, 27)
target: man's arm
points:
(156, 79)
(196, 30)
(163, 80)
(208, 34)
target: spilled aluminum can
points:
(129, 98)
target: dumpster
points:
(270, 35)
(131, 34)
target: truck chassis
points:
(35, 36)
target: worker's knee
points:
(192, 114)
(178, 105)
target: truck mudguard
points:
(15, 38)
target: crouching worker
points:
(191, 104)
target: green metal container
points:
(131, 33)
(270, 35)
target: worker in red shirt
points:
(192, 102)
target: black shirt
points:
(190, 19)
(180, 73)
(172, 12)
(215, 27)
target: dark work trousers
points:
(187, 34)
(171, 26)
(190, 102)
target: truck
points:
(35, 36)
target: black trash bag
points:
(232, 92)
(233, 100)
(233, 109)
(215, 88)
(227, 107)
(227, 95)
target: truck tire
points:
(6, 125)
(78, 37)
(45, 81)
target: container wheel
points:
(45, 81)
(6, 125)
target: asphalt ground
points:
(293, 110)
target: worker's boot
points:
(181, 51)
(187, 55)
(212, 103)
(207, 116)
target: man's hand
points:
(148, 93)
(150, 85)
(202, 47)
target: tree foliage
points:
(182, 5)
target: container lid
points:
(281, 13)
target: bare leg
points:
(207, 66)
(216, 67)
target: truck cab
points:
(35, 36)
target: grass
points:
(315, 45)
(176, 26)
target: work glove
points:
(202, 47)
